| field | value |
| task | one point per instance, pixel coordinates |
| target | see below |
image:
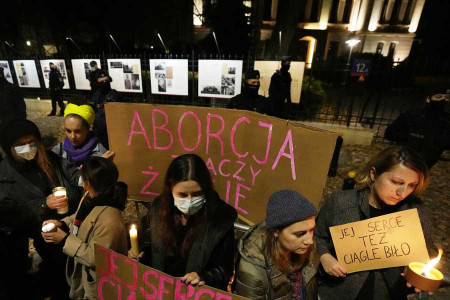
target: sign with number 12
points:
(361, 67)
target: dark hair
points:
(102, 175)
(393, 156)
(83, 121)
(183, 168)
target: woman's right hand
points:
(55, 202)
(332, 266)
(56, 222)
(133, 256)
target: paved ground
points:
(436, 197)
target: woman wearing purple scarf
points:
(80, 143)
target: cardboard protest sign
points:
(119, 277)
(250, 156)
(387, 241)
(268, 68)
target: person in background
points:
(249, 99)
(280, 88)
(56, 84)
(191, 230)
(393, 178)
(426, 130)
(98, 220)
(100, 83)
(80, 143)
(277, 257)
(28, 175)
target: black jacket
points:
(11, 102)
(55, 80)
(280, 87)
(258, 103)
(212, 252)
(351, 206)
(103, 87)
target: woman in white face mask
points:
(28, 175)
(190, 233)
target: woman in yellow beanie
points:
(80, 143)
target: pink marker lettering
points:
(179, 286)
(132, 296)
(210, 166)
(254, 174)
(199, 131)
(133, 265)
(145, 279)
(108, 263)
(287, 140)
(202, 292)
(142, 131)
(239, 195)
(236, 174)
(161, 127)
(154, 176)
(114, 267)
(161, 289)
(100, 286)
(227, 196)
(215, 135)
(233, 131)
(220, 296)
(269, 140)
(220, 168)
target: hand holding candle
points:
(424, 277)
(134, 240)
(61, 191)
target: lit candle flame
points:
(133, 227)
(426, 270)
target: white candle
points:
(134, 240)
(61, 191)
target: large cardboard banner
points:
(81, 70)
(126, 75)
(26, 73)
(387, 241)
(219, 78)
(4, 64)
(250, 156)
(268, 68)
(119, 277)
(60, 65)
(169, 76)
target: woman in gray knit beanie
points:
(276, 255)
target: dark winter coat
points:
(102, 88)
(55, 81)
(11, 102)
(258, 103)
(351, 206)
(252, 275)
(211, 254)
(280, 87)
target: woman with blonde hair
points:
(392, 180)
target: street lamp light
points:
(28, 43)
(73, 42)
(351, 43)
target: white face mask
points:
(189, 207)
(93, 69)
(27, 152)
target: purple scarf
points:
(79, 155)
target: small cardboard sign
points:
(119, 277)
(387, 241)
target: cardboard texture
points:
(387, 241)
(249, 155)
(119, 277)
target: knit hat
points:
(84, 111)
(15, 130)
(252, 74)
(286, 207)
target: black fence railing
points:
(329, 94)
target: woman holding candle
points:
(80, 143)
(191, 230)
(277, 259)
(28, 175)
(392, 180)
(98, 220)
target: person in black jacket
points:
(249, 99)
(426, 130)
(56, 84)
(27, 176)
(100, 83)
(280, 88)
(191, 230)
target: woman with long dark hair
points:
(191, 232)
(392, 180)
(98, 220)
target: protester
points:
(280, 88)
(28, 175)
(98, 220)
(277, 257)
(249, 99)
(100, 83)
(426, 130)
(392, 179)
(56, 84)
(191, 230)
(80, 143)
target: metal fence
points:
(373, 103)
